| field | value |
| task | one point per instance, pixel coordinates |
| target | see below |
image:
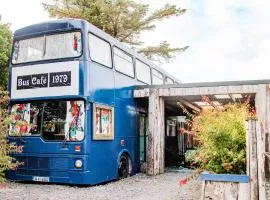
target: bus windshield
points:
(47, 47)
(52, 120)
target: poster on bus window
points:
(20, 120)
(103, 123)
(75, 115)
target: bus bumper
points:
(54, 169)
(70, 177)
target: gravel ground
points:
(139, 187)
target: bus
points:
(71, 104)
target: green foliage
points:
(6, 162)
(5, 48)
(123, 19)
(222, 137)
(163, 50)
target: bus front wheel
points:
(124, 167)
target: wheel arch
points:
(123, 151)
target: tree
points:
(5, 48)
(122, 19)
(6, 148)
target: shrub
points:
(222, 139)
(6, 162)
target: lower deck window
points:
(52, 120)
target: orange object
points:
(77, 148)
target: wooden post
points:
(247, 125)
(162, 135)
(261, 99)
(203, 190)
(253, 168)
(155, 154)
(267, 136)
(244, 191)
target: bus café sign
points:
(45, 80)
(54, 79)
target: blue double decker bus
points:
(71, 104)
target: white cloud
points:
(229, 40)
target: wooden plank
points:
(247, 123)
(207, 84)
(141, 93)
(153, 98)
(221, 190)
(244, 89)
(186, 91)
(243, 191)
(237, 178)
(162, 135)
(230, 191)
(262, 126)
(203, 190)
(190, 105)
(253, 168)
(267, 136)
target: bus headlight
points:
(78, 163)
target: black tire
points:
(124, 167)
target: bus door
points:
(143, 136)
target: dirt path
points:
(138, 187)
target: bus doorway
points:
(177, 141)
(143, 140)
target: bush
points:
(222, 139)
(6, 162)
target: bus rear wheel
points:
(124, 167)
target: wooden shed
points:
(190, 94)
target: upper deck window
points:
(100, 51)
(157, 77)
(143, 72)
(123, 62)
(47, 47)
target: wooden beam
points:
(243, 191)
(263, 124)
(190, 105)
(248, 127)
(156, 136)
(141, 93)
(253, 162)
(161, 121)
(267, 136)
(180, 91)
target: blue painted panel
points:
(225, 177)
(101, 84)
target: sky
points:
(228, 39)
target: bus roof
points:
(71, 24)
